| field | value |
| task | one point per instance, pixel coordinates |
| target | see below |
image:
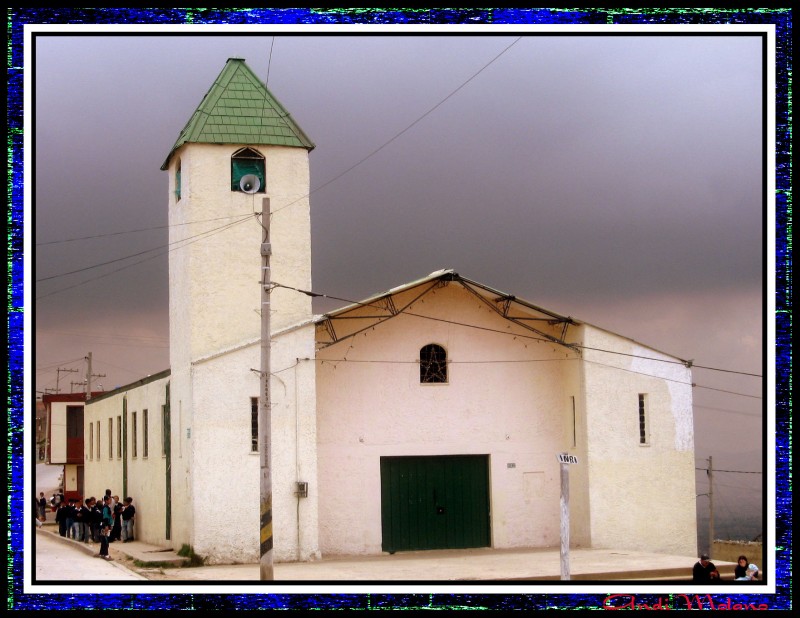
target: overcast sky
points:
(615, 179)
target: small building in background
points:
(64, 438)
(41, 431)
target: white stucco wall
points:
(142, 478)
(642, 496)
(505, 398)
(214, 278)
(226, 487)
(58, 431)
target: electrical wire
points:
(133, 255)
(397, 135)
(141, 261)
(143, 229)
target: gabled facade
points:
(466, 455)
(429, 416)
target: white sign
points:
(567, 459)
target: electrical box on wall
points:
(302, 489)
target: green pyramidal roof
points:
(238, 109)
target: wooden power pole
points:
(264, 409)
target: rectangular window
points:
(133, 434)
(98, 440)
(164, 430)
(145, 445)
(642, 419)
(574, 424)
(180, 429)
(91, 440)
(253, 424)
(119, 437)
(74, 422)
(111, 438)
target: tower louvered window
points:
(248, 162)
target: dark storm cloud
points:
(580, 173)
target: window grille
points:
(432, 364)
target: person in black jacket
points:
(116, 510)
(705, 571)
(128, 517)
(77, 523)
(42, 506)
(70, 517)
(95, 518)
(61, 518)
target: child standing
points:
(106, 523)
(128, 515)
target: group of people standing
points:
(92, 521)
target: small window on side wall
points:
(643, 428)
(178, 182)
(248, 164)
(432, 364)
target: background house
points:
(64, 438)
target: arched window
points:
(246, 162)
(432, 364)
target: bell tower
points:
(239, 160)
(239, 147)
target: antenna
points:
(250, 183)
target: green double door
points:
(437, 502)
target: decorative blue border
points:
(18, 17)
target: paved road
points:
(60, 561)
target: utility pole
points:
(264, 409)
(90, 375)
(710, 473)
(58, 375)
(565, 459)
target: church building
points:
(428, 416)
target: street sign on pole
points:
(566, 460)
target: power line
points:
(143, 229)
(145, 338)
(722, 390)
(732, 471)
(50, 366)
(222, 229)
(397, 135)
(728, 410)
(133, 255)
(691, 364)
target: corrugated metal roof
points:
(490, 293)
(238, 109)
(450, 275)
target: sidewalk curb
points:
(89, 549)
